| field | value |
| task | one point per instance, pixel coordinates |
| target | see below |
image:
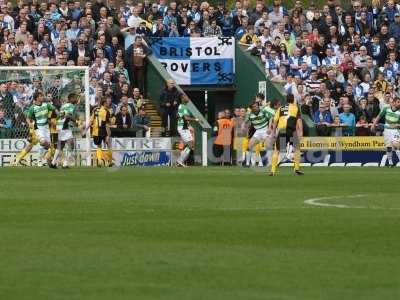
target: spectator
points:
(323, 120)
(363, 127)
(141, 123)
(5, 123)
(135, 61)
(348, 119)
(130, 108)
(213, 30)
(138, 100)
(123, 119)
(169, 101)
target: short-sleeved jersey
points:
(183, 111)
(260, 119)
(286, 116)
(66, 112)
(391, 117)
(40, 113)
(99, 120)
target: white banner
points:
(9, 148)
(197, 61)
(118, 144)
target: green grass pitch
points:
(199, 233)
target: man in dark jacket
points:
(79, 49)
(123, 123)
(96, 9)
(169, 100)
(141, 123)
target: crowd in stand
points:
(342, 66)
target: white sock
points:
(56, 155)
(248, 158)
(184, 154)
(253, 159)
(390, 157)
(42, 152)
(260, 162)
(66, 157)
(269, 157)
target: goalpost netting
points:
(17, 86)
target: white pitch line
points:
(316, 202)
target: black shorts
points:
(54, 138)
(99, 140)
(284, 138)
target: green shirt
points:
(391, 117)
(260, 120)
(183, 111)
(40, 113)
(66, 109)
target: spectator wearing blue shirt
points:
(5, 124)
(227, 25)
(194, 13)
(394, 28)
(304, 72)
(330, 59)
(272, 64)
(76, 12)
(295, 61)
(390, 10)
(73, 33)
(323, 119)
(311, 59)
(169, 18)
(348, 118)
(162, 7)
(54, 13)
(388, 72)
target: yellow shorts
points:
(245, 144)
(33, 137)
(258, 147)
